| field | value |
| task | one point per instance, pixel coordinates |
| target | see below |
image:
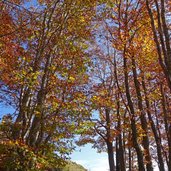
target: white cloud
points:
(90, 159)
(100, 168)
(100, 164)
(81, 162)
(96, 164)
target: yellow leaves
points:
(84, 45)
(114, 133)
(52, 68)
(26, 76)
(14, 143)
(82, 19)
(148, 75)
(1, 44)
(37, 113)
(102, 101)
(71, 79)
(155, 94)
(141, 132)
(95, 100)
(17, 155)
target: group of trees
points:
(42, 60)
(103, 67)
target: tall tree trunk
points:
(130, 159)
(37, 122)
(110, 156)
(121, 158)
(166, 51)
(117, 155)
(166, 65)
(109, 141)
(132, 117)
(143, 119)
(153, 127)
(167, 125)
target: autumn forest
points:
(85, 71)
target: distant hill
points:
(72, 166)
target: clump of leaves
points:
(15, 155)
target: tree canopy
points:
(79, 72)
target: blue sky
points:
(5, 110)
(90, 159)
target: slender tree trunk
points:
(121, 158)
(158, 126)
(166, 65)
(117, 155)
(110, 156)
(119, 139)
(109, 142)
(166, 48)
(170, 147)
(142, 118)
(166, 37)
(153, 127)
(132, 117)
(36, 126)
(130, 158)
(167, 125)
